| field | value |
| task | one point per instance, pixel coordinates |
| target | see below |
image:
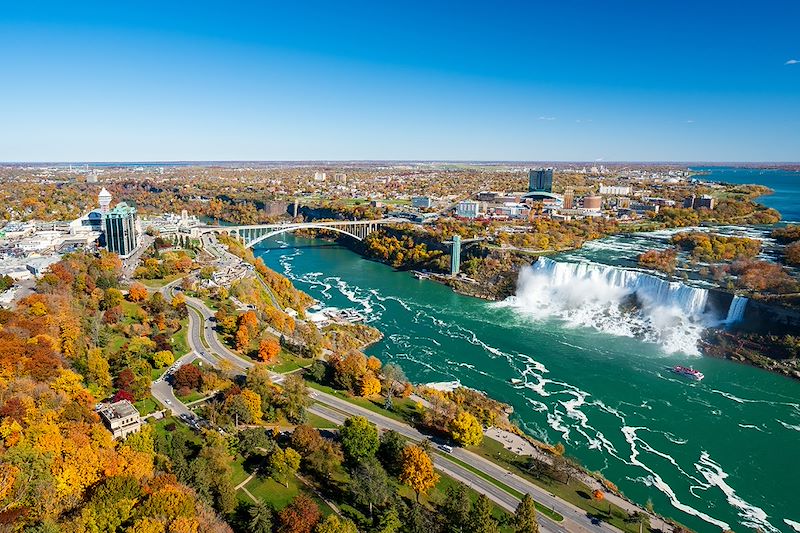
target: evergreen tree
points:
(456, 509)
(260, 518)
(481, 516)
(525, 517)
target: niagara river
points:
(715, 454)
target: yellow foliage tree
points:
(137, 293)
(466, 430)
(370, 385)
(417, 470)
(253, 402)
(374, 364)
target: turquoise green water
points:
(713, 454)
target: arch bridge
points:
(253, 234)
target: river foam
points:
(616, 301)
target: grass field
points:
(180, 344)
(404, 408)
(288, 362)
(147, 406)
(159, 282)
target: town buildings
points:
(121, 418)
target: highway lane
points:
(576, 519)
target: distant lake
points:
(785, 183)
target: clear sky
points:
(635, 80)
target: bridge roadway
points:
(336, 409)
(255, 233)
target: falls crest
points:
(616, 301)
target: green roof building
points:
(120, 229)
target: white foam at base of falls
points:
(671, 314)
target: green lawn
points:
(147, 406)
(159, 282)
(192, 397)
(239, 473)
(161, 428)
(180, 344)
(574, 492)
(404, 408)
(288, 362)
(319, 422)
(272, 492)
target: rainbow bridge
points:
(254, 234)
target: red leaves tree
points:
(300, 516)
(188, 377)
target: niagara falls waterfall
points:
(615, 301)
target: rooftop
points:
(120, 409)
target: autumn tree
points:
(283, 464)
(188, 377)
(466, 430)
(334, 524)
(417, 470)
(242, 338)
(300, 516)
(268, 349)
(370, 385)
(293, 399)
(137, 293)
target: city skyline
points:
(517, 82)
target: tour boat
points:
(690, 372)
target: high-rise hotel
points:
(120, 229)
(540, 180)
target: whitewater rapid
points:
(434, 342)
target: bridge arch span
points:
(304, 226)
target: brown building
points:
(595, 203)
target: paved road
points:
(332, 407)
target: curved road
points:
(336, 410)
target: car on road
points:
(446, 448)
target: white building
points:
(104, 200)
(615, 190)
(121, 418)
(468, 209)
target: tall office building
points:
(540, 180)
(455, 256)
(569, 198)
(104, 200)
(120, 229)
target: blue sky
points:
(505, 80)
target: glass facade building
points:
(120, 229)
(540, 179)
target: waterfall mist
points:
(615, 301)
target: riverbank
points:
(606, 396)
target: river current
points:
(715, 454)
